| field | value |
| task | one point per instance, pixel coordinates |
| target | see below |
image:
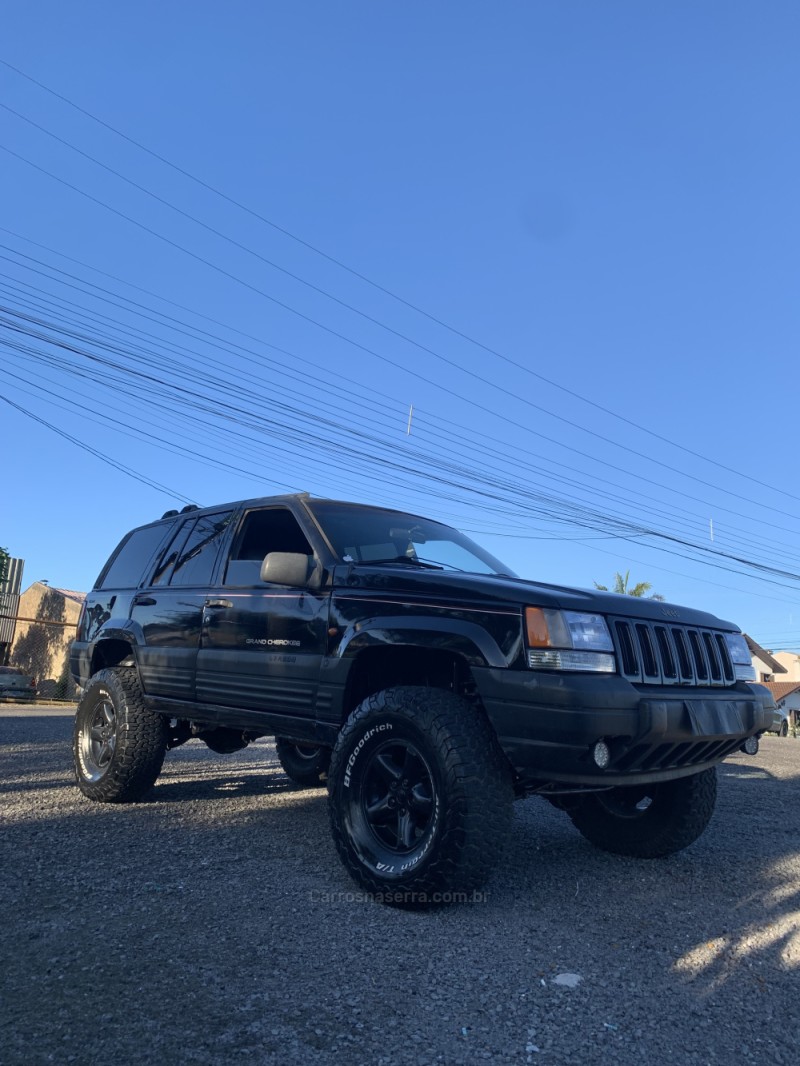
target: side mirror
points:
(287, 568)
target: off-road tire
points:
(420, 797)
(305, 764)
(118, 744)
(677, 813)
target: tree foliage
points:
(4, 557)
(623, 587)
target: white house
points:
(764, 663)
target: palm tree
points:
(621, 586)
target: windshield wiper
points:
(405, 559)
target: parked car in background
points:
(780, 723)
(16, 685)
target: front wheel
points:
(420, 797)
(648, 821)
(118, 744)
(305, 764)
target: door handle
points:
(144, 601)
(218, 604)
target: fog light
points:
(750, 746)
(601, 754)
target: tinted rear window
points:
(130, 563)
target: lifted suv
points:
(394, 658)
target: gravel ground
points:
(214, 924)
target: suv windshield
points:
(365, 535)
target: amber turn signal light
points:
(536, 626)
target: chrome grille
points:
(660, 654)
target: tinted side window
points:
(195, 563)
(272, 530)
(132, 559)
(170, 554)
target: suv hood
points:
(481, 588)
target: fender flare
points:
(468, 640)
(122, 629)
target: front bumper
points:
(548, 723)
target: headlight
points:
(568, 640)
(740, 657)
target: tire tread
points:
(684, 809)
(141, 740)
(477, 781)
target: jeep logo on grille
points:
(670, 612)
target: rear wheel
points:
(305, 764)
(784, 729)
(118, 744)
(420, 797)
(648, 821)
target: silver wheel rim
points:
(99, 740)
(306, 753)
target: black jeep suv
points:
(393, 657)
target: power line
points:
(354, 273)
(512, 422)
(499, 454)
(97, 454)
(343, 337)
(644, 531)
(445, 473)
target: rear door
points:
(262, 644)
(169, 611)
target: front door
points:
(262, 645)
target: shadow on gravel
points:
(223, 894)
(724, 913)
(215, 786)
(31, 784)
(211, 786)
(762, 864)
(17, 732)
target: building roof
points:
(781, 689)
(762, 654)
(78, 597)
(68, 594)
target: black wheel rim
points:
(397, 798)
(98, 740)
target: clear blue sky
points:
(605, 194)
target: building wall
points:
(9, 606)
(44, 631)
(791, 660)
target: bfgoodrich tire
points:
(648, 821)
(420, 797)
(303, 763)
(118, 744)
